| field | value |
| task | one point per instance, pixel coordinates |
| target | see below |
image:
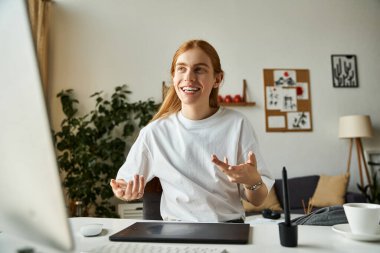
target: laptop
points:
(180, 232)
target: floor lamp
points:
(356, 127)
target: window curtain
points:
(39, 19)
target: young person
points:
(185, 141)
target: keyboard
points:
(123, 247)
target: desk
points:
(263, 238)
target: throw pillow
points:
(331, 190)
(271, 202)
(299, 189)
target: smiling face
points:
(194, 78)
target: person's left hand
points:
(245, 173)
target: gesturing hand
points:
(131, 190)
(245, 173)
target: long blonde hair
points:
(172, 103)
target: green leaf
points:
(91, 148)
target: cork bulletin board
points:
(287, 100)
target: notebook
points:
(179, 232)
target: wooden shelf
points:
(238, 104)
(244, 97)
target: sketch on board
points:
(285, 78)
(302, 91)
(289, 100)
(276, 121)
(298, 120)
(273, 98)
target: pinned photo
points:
(285, 78)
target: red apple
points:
(238, 98)
(220, 99)
(228, 99)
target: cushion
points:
(331, 190)
(271, 202)
(299, 188)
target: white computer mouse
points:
(92, 229)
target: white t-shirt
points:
(178, 151)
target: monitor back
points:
(31, 198)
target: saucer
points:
(344, 229)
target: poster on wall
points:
(344, 71)
(287, 100)
(373, 159)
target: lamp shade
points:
(355, 126)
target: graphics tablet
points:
(179, 232)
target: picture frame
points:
(344, 71)
(372, 157)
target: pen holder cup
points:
(288, 234)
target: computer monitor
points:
(31, 198)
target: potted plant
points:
(91, 148)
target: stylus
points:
(286, 196)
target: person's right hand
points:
(131, 190)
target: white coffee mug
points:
(363, 218)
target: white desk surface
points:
(264, 237)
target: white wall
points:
(97, 45)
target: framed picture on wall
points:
(373, 160)
(344, 71)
